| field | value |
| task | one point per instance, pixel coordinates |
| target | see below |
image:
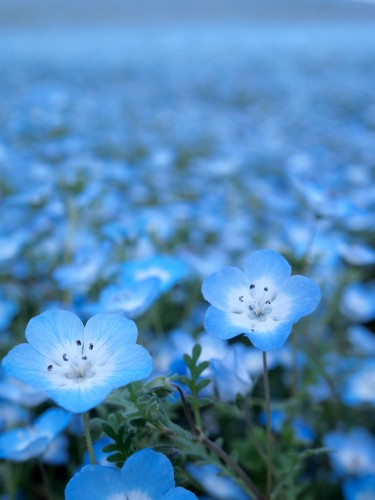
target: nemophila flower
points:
(15, 391)
(132, 298)
(11, 415)
(359, 387)
(217, 485)
(25, 443)
(146, 475)
(362, 339)
(302, 430)
(353, 453)
(262, 302)
(359, 488)
(169, 270)
(78, 366)
(358, 301)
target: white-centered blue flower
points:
(146, 475)
(78, 366)
(34, 440)
(262, 302)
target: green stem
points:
(90, 447)
(269, 435)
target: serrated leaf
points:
(204, 402)
(201, 368)
(203, 383)
(117, 457)
(197, 351)
(109, 448)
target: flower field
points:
(187, 262)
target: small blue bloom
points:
(358, 301)
(146, 475)
(302, 430)
(359, 488)
(262, 302)
(352, 452)
(215, 483)
(359, 387)
(23, 444)
(169, 270)
(131, 298)
(78, 366)
(15, 391)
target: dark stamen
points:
(78, 342)
(265, 289)
(49, 368)
(85, 358)
(241, 298)
(268, 302)
(252, 286)
(252, 329)
(251, 308)
(91, 346)
(65, 357)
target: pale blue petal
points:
(148, 472)
(223, 289)
(95, 482)
(26, 364)
(20, 444)
(225, 325)
(54, 333)
(179, 494)
(271, 337)
(267, 265)
(110, 329)
(78, 398)
(53, 421)
(298, 297)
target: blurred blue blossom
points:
(146, 474)
(78, 366)
(25, 443)
(358, 301)
(301, 429)
(215, 483)
(359, 387)
(353, 452)
(262, 302)
(359, 488)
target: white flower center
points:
(73, 366)
(257, 303)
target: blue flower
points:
(78, 366)
(169, 270)
(357, 302)
(146, 475)
(359, 387)
(23, 444)
(262, 302)
(359, 488)
(353, 452)
(215, 483)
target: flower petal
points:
(267, 265)
(26, 364)
(225, 325)
(148, 472)
(270, 335)
(298, 297)
(54, 333)
(95, 482)
(80, 397)
(110, 329)
(179, 494)
(53, 421)
(223, 289)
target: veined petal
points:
(267, 265)
(148, 472)
(225, 325)
(95, 482)
(270, 335)
(298, 297)
(224, 288)
(26, 364)
(80, 397)
(54, 333)
(179, 494)
(20, 444)
(110, 330)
